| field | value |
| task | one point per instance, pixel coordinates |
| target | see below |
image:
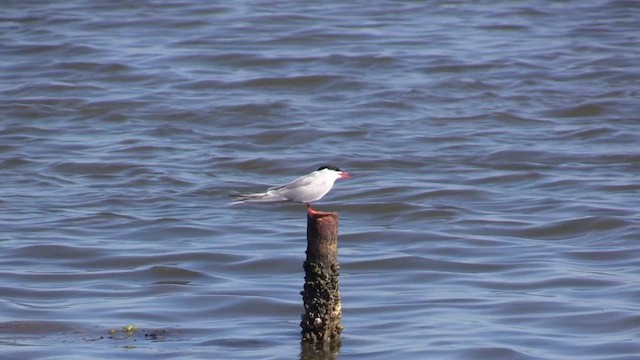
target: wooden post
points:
(321, 323)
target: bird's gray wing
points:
(295, 184)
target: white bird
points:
(305, 189)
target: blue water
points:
(492, 212)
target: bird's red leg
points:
(314, 213)
(310, 211)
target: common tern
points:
(305, 189)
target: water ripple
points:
(492, 211)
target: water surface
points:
(492, 214)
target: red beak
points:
(345, 175)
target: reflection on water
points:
(492, 211)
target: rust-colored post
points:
(321, 321)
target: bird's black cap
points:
(330, 167)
